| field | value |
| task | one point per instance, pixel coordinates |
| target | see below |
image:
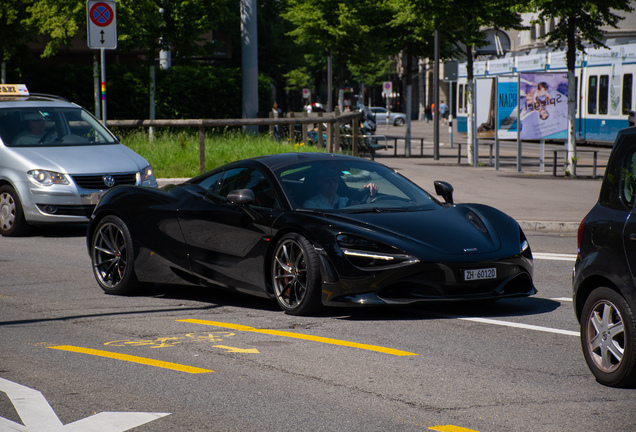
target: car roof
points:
(276, 161)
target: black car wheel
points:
(12, 222)
(296, 275)
(608, 337)
(112, 257)
(398, 121)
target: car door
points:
(628, 198)
(380, 115)
(227, 243)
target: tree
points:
(342, 28)
(141, 24)
(578, 23)
(13, 32)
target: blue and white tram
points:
(604, 86)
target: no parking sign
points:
(102, 24)
(387, 87)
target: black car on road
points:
(309, 229)
(605, 271)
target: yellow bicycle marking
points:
(167, 342)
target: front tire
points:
(296, 275)
(12, 221)
(398, 121)
(112, 257)
(608, 338)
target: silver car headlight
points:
(369, 255)
(146, 177)
(47, 178)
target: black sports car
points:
(309, 229)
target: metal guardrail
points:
(329, 118)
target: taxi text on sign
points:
(102, 24)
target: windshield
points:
(48, 126)
(350, 186)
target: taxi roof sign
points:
(13, 90)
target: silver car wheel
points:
(605, 336)
(109, 255)
(7, 211)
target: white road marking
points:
(565, 299)
(37, 415)
(554, 256)
(513, 324)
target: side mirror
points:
(241, 197)
(445, 190)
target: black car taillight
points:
(579, 235)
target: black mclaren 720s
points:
(309, 229)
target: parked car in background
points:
(396, 119)
(604, 277)
(56, 161)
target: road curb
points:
(545, 226)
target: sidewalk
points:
(536, 199)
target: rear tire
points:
(398, 121)
(296, 275)
(112, 257)
(12, 221)
(608, 338)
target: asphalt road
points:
(193, 359)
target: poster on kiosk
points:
(544, 105)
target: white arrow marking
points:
(37, 415)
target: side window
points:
(210, 183)
(603, 94)
(628, 179)
(460, 99)
(249, 178)
(627, 93)
(592, 89)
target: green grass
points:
(176, 154)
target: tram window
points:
(592, 86)
(460, 99)
(627, 93)
(603, 94)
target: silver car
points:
(56, 161)
(396, 119)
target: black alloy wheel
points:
(112, 257)
(296, 275)
(608, 338)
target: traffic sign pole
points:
(102, 35)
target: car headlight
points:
(146, 176)
(369, 255)
(47, 178)
(524, 246)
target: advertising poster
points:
(485, 107)
(507, 107)
(544, 105)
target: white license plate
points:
(479, 274)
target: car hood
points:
(454, 230)
(110, 158)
